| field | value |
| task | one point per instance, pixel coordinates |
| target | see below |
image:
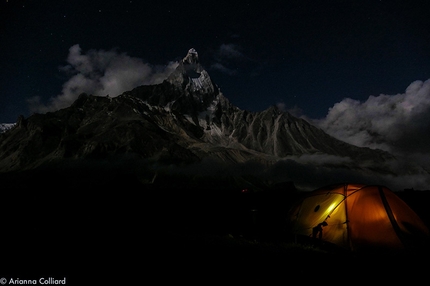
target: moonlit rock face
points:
(192, 51)
(191, 75)
(192, 57)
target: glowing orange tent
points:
(358, 217)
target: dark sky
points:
(306, 55)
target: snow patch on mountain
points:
(6, 126)
(197, 83)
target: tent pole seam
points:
(391, 217)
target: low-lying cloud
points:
(312, 174)
(101, 73)
(307, 172)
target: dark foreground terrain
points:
(110, 227)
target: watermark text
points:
(39, 281)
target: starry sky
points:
(316, 59)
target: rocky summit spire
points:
(191, 75)
(192, 57)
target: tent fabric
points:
(357, 217)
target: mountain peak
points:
(191, 76)
(191, 64)
(192, 57)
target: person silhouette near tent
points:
(318, 230)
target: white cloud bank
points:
(101, 73)
(399, 124)
(396, 123)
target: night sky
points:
(316, 59)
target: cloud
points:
(295, 110)
(220, 67)
(320, 159)
(308, 172)
(230, 51)
(396, 123)
(101, 73)
(228, 55)
(312, 171)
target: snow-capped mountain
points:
(183, 120)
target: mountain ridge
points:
(183, 120)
